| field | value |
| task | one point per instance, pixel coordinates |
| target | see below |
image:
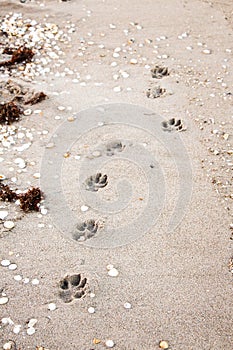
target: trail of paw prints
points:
(85, 230)
(159, 72)
(73, 287)
(173, 125)
(95, 182)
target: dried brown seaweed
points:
(9, 113)
(6, 194)
(30, 200)
(22, 54)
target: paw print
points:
(72, 287)
(113, 147)
(173, 125)
(159, 72)
(95, 182)
(85, 230)
(155, 92)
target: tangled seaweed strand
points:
(30, 200)
(9, 113)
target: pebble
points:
(36, 175)
(12, 267)
(17, 328)
(9, 224)
(5, 262)
(163, 344)
(27, 112)
(7, 346)
(3, 300)
(113, 272)
(52, 306)
(32, 322)
(109, 343)
(206, 51)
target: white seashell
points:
(7, 346)
(109, 343)
(84, 208)
(16, 328)
(36, 175)
(3, 214)
(9, 224)
(117, 89)
(127, 305)
(133, 61)
(35, 282)
(32, 322)
(207, 51)
(31, 331)
(113, 272)
(18, 278)
(91, 310)
(12, 267)
(3, 300)
(52, 306)
(5, 262)
(2, 177)
(27, 112)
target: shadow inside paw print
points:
(173, 125)
(159, 72)
(85, 230)
(95, 182)
(72, 287)
(113, 147)
(155, 92)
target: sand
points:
(163, 216)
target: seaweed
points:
(22, 54)
(9, 113)
(6, 194)
(36, 98)
(30, 200)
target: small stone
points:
(84, 208)
(36, 175)
(91, 310)
(109, 343)
(163, 344)
(127, 305)
(96, 154)
(9, 224)
(3, 300)
(12, 267)
(26, 280)
(7, 346)
(52, 307)
(27, 112)
(96, 341)
(92, 295)
(5, 262)
(31, 331)
(113, 272)
(61, 108)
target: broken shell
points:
(96, 341)
(2, 177)
(9, 225)
(163, 344)
(113, 272)
(3, 300)
(109, 343)
(27, 112)
(32, 322)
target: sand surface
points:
(162, 218)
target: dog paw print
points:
(113, 147)
(173, 125)
(159, 72)
(72, 287)
(85, 230)
(95, 182)
(155, 92)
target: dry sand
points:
(177, 281)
